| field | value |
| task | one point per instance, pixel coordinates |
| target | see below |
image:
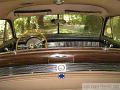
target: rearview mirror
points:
(58, 21)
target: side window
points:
(108, 29)
(112, 29)
(5, 31)
(2, 22)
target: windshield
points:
(74, 24)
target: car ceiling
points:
(6, 6)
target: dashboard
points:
(73, 44)
(56, 41)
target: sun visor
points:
(83, 12)
(32, 12)
(38, 10)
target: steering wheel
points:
(36, 40)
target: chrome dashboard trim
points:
(52, 68)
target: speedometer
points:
(34, 43)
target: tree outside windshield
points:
(76, 24)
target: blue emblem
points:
(61, 76)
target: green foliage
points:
(75, 23)
(114, 25)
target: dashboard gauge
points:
(34, 43)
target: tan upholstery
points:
(7, 6)
(72, 81)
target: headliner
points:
(7, 6)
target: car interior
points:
(59, 44)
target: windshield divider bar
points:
(58, 24)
